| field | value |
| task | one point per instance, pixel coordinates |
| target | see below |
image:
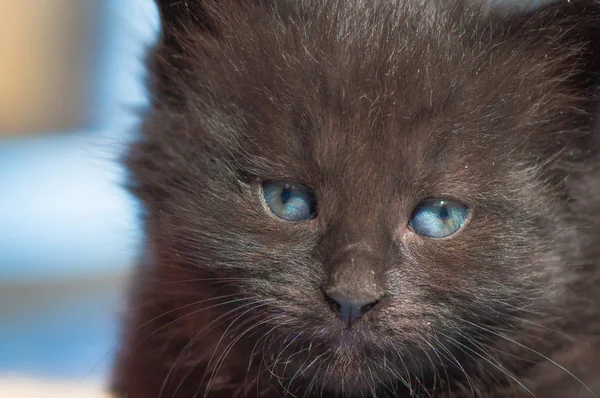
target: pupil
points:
(285, 195)
(443, 212)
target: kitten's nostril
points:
(335, 306)
(369, 306)
(350, 309)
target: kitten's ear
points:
(175, 15)
(570, 28)
(202, 14)
(563, 39)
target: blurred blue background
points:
(68, 230)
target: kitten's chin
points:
(344, 362)
(345, 373)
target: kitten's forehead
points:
(348, 72)
(386, 94)
(377, 107)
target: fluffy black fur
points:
(375, 105)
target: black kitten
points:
(384, 198)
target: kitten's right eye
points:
(438, 218)
(289, 201)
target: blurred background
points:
(71, 94)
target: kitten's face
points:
(373, 122)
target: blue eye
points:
(438, 218)
(289, 201)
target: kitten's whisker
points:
(301, 369)
(494, 345)
(191, 342)
(452, 358)
(265, 336)
(312, 382)
(325, 379)
(254, 305)
(406, 381)
(459, 344)
(176, 309)
(192, 280)
(287, 346)
(212, 325)
(419, 381)
(532, 323)
(304, 369)
(482, 347)
(218, 344)
(535, 352)
(197, 336)
(442, 364)
(187, 315)
(230, 346)
(436, 375)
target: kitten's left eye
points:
(289, 201)
(438, 218)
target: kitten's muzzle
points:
(353, 287)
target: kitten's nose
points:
(350, 309)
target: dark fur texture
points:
(375, 105)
